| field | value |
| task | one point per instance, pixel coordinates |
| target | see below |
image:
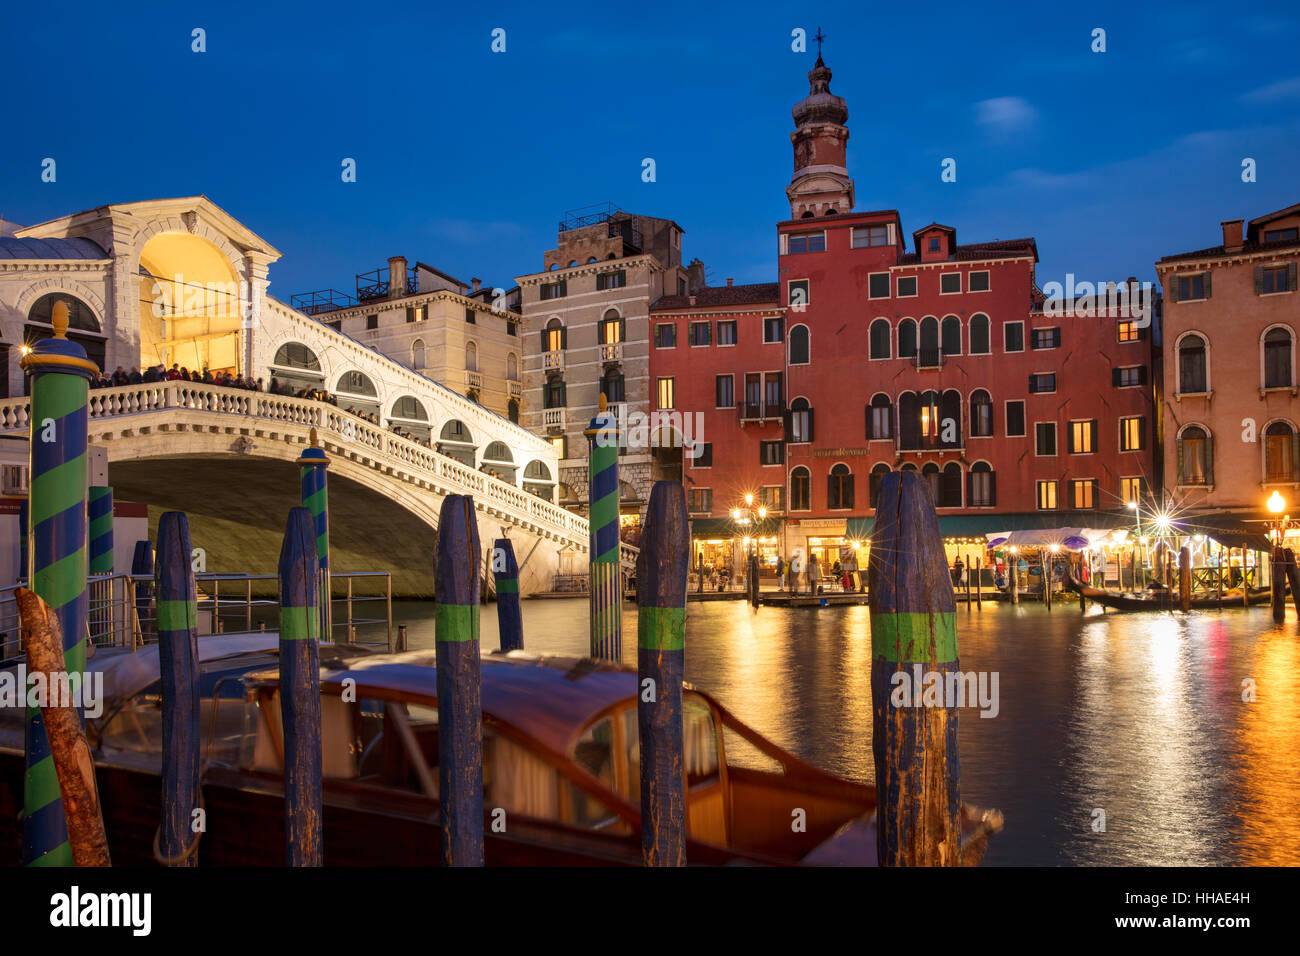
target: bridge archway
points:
(456, 441)
(83, 326)
(191, 305)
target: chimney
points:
(477, 283)
(728, 283)
(396, 277)
(1232, 235)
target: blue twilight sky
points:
(466, 159)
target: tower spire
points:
(820, 185)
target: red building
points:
(869, 356)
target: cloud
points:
(1274, 92)
(1004, 113)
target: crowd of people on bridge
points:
(159, 373)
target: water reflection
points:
(1138, 715)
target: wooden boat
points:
(1163, 600)
(560, 767)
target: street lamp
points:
(747, 517)
(1276, 505)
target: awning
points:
(1069, 539)
(727, 528)
(1229, 530)
(859, 529)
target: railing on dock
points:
(121, 612)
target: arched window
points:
(929, 411)
(800, 422)
(981, 486)
(417, 354)
(1278, 372)
(296, 355)
(356, 383)
(512, 411)
(880, 418)
(1192, 372)
(1281, 454)
(877, 477)
(590, 260)
(498, 451)
(979, 334)
(537, 471)
(800, 489)
(880, 336)
(909, 422)
(409, 407)
(1195, 456)
(950, 486)
(934, 480)
(80, 317)
(611, 328)
(553, 337)
(471, 357)
(512, 367)
(929, 334)
(981, 414)
(457, 431)
(572, 263)
(839, 487)
(949, 430)
(907, 338)
(951, 335)
(799, 345)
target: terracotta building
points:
(1231, 317)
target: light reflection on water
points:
(1139, 715)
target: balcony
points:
(612, 352)
(473, 379)
(928, 443)
(929, 358)
(553, 361)
(553, 418)
(760, 411)
(515, 390)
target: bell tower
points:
(820, 185)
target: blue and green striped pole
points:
(60, 375)
(300, 714)
(315, 498)
(661, 644)
(510, 621)
(913, 648)
(178, 662)
(460, 710)
(99, 514)
(24, 552)
(142, 572)
(604, 576)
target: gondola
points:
(560, 767)
(1162, 600)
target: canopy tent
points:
(1068, 539)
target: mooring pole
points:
(179, 667)
(1277, 572)
(752, 574)
(1046, 568)
(313, 465)
(1293, 578)
(460, 713)
(1245, 583)
(913, 629)
(510, 620)
(99, 515)
(1185, 578)
(60, 374)
(142, 573)
(661, 641)
(1013, 576)
(300, 713)
(24, 553)
(604, 577)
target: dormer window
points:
(934, 243)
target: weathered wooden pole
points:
(1277, 572)
(460, 711)
(142, 572)
(604, 577)
(60, 374)
(1293, 578)
(1245, 584)
(913, 629)
(661, 641)
(965, 583)
(1218, 580)
(1185, 578)
(1013, 576)
(69, 752)
(510, 619)
(314, 484)
(99, 516)
(752, 576)
(300, 713)
(1046, 568)
(177, 602)
(24, 573)
(979, 585)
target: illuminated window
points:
(1046, 496)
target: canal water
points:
(1138, 716)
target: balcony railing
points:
(553, 361)
(929, 443)
(760, 411)
(553, 418)
(514, 389)
(929, 358)
(473, 379)
(612, 352)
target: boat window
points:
(137, 725)
(699, 746)
(348, 734)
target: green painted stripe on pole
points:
(457, 622)
(62, 581)
(57, 490)
(61, 855)
(507, 586)
(315, 502)
(177, 615)
(299, 624)
(60, 395)
(41, 785)
(907, 637)
(661, 629)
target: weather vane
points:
(819, 38)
